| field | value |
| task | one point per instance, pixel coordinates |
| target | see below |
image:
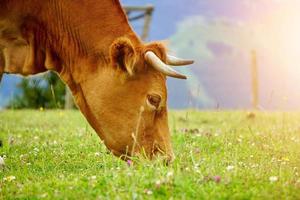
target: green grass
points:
(56, 155)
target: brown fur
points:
(90, 44)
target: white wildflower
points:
(229, 167)
(169, 174)
(9, 178)
(273, 179)
(149, 192)
(2, 163)
(157, 183)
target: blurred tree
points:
(45, 91)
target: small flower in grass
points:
(242, 164)
(61, 114)
(197, 150)
(170, 174)
(158, 183)
(147, 191)
(273, 179)
(93, 181)
(230, 167)
(129, 163)
(217, 179)
(218, 133)
(9, 178)
(254, 165)
(134, 196)
(97, 154)
(286, 159)
(11, 140)
(2, 163)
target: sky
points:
(220, 36)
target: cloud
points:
(214, 44)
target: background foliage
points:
(46, 91)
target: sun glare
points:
(283, 40)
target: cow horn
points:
(155, 62)
(172, 60)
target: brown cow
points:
(118, 82)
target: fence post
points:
(148, 16)
(254, 76)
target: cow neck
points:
(79, 95)
(86, 110)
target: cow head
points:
(127, 98)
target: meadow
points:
(219, 155)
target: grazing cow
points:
(118, 82)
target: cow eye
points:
(154, 100)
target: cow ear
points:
(123, 55)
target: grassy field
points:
(219, 155)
